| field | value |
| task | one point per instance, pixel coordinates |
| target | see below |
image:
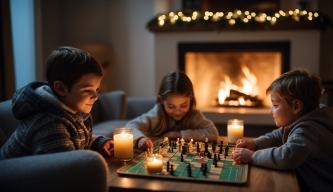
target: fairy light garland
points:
(236, 17)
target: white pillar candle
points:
(235, 130)
(123, 143)
(154, 164)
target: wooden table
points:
(259, 179)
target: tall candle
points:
(154, 164)
(235, 130)
(123, 143)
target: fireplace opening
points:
(233, 74)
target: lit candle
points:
(123, 143)
(154, 164)
(235, 130)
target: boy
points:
(305, 137)
(54, 116)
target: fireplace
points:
(233, 74)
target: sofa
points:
(114, 109)
(81, 170)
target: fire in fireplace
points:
(245, 95)
(233, 74)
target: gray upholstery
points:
(67, 171)
(138, 105)
(109, 106)
(132, 107)
(7, 121)
(81, 170)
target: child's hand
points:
(246, 143)
(242, 155)
(173, 134)
(145, 143)
(108, 149)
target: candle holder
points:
(154, 163)
(235, 129)
(123, 144)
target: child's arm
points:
(271, 139)
(289, 155)
(143, 124)
(202, 128)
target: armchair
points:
(81, 170)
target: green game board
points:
(226, 173)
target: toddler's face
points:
(177, 106)
(283, 113)
(84, 93)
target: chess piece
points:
(214, 146)
(168, 166)
(215, 160)
(206, 147)
(171, 170)
(221, 147)
(189, 170)
(205, 169)
(182, 141)
(198, 147)
(209, 155)
(181, 157)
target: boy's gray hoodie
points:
(305, 146)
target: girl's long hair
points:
(175, 83)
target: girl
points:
(175, 115)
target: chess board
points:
(223, 170)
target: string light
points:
(235, 18)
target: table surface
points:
(259, 179)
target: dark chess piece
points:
(181, 157)
(209, 155)
(206, 147)
(184, 149)
(198, 147)
(171, 170)
(215, 160)
(226, 151)
(189, 170)
(168, 166)
(218, 157)
(205, 169)
(221, 147)
(214, 146)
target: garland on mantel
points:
(242, 19)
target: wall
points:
(326, 62)
(119, 24)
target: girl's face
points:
(83, 94)
(177, 106)
(282, 112)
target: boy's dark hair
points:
(298, 84)
(69, 64)
(176, 83)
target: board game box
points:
(197, 161)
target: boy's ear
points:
(60, 88)
(298, 106)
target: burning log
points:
(239, 99)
